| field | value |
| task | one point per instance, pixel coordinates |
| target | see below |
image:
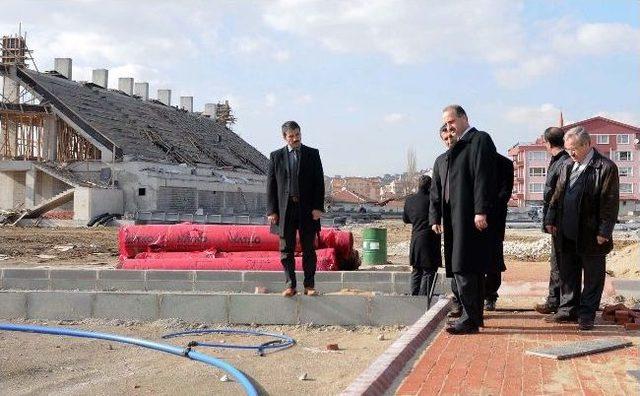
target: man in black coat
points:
(493, 278)
(554, 143)
(295, 202)
(468, 198)
(424, 252)
(582, 214)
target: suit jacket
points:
(310, 185)
(471, 170)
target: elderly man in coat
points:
(582, 213)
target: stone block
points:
(73, 274)
(218, 287)
(25, 284)
(218, 276)
(264, 276)
(71, 284)
(195, 308)
(13, 305)
(126, 306)
(122, 275)
(169, 285)
(393, 310)
(334, 310)
(120, 285)
(59, 305)
(20, 273)
(263, 309)
(170, 275)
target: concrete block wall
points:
(205, 282)
(212, 308)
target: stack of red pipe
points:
(225, 247)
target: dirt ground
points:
(44, 364)
(91, 248)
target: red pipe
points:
(254, 261)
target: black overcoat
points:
(424, 251)
(504, 174)
(471, 168)
(310, 185)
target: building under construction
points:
(80, 147)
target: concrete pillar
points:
(6, 192)
(50, 140)
(11, 90)
(186, 103)
(63, 66)
(125, 84)
(164, 96)
(30, 188)
(142, 90)
(209, 109)
(100, 77)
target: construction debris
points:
(620, 314)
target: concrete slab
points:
(59, 305)
(337, 310)
(218, 276)
(25, 284)
(120, 285)
(388, 310)
(169, 285)
(122, 275)
(580, 348)
(13, 305)
(126, 306)
(263, 309)
(216, 287)
(195, 308)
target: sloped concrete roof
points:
(145, 130)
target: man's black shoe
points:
(455, 312)
(561, 318)
(585, 324)
(456, 330)
(545, 309)
(489, 305)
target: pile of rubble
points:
(622, 315)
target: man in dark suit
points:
(582, 214)
(468, 198)
(436, 195)
(295, 202)
(554, 143)
(493, 278)
(424, 252)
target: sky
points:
(365, 79)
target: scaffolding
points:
(224, 115)
(73, 147)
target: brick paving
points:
(494, 362)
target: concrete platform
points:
(201, 282)
(212, 308)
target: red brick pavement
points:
(494, 362)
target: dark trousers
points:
(492, 282)
(288, 245)
(468, 288)
(553, 299)
(421, 281)
(573, 301)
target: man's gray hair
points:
(580, 134)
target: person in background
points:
(424, 252)
(493, 278)
(554, 143)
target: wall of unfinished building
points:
(155, 187)
(24, 189)
(171, 188)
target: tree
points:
(411, 183)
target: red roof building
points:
(611, 138)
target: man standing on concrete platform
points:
(424, 252)
(468, 197)
(554, 142)
(493, 278)
(582, 213)
(295, 203)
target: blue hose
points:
(281, 342)
(173, 350)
